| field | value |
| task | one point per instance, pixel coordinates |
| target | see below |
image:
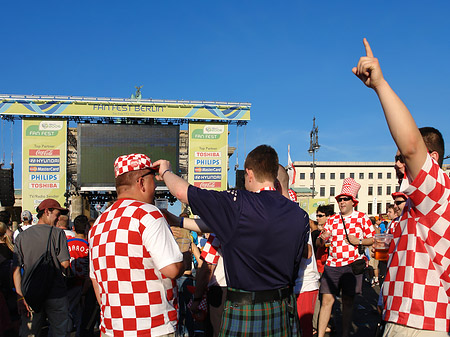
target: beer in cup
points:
(381, 244)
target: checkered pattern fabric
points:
(275, 319)
(292, 195)
(392, 225)
(416, 290)
(210, 252)
(128, 245)
(340, 252)
(203, 305)
(131, 162)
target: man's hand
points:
(324, 235)
(23, 308)
(368, 69)
(162, 166)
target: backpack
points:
(37, 280)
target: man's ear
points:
(250, 174)
(435, 156)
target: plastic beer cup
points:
(381, 245)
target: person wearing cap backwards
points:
(263, 237)
(27, 222)
(416, 291)
(28, 248)
(342, 252)
(133, 257)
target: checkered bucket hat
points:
(350, 188)
(131, 162)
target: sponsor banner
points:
(208, 155)
(209, 185)
(66, 107)
(44, 161)
(207, 169)
(207, 162)
(207, 177)
(50, 177)
(43, 168)
(44, 153)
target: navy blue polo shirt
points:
(262, 235)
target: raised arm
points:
(401, 124)
(176, 185)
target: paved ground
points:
(365, 314)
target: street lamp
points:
(313, 147)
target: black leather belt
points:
(247, 298)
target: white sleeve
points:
(159, 242)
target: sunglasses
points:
(344, 199)
(320, 215)
(399, 202)
(144, 175)
(399, 158)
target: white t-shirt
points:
(308, 276)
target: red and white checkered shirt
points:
(210, 252)
(340, 252)
(128, 245)
(416, 291)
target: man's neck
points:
(257, 186)
(347, 214)
(80, 236)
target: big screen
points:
(100, 144)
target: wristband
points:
(20, 299)
(162, 175)
(182, 222)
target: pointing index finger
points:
(368, 49)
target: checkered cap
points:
(350, 188)
(399, 194)
(292, 195)
(131, 162)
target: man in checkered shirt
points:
(338, 275)
(416, 291)
(134, 257)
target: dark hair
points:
(5, 217)
(263, 161)
(326, 209)
(390, 206)
(373, 220)
(81, 222)
(434, 141)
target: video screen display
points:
(100, 144)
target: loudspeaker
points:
(6, 187)
(240, 180)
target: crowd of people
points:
(267, 268)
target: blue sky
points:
(291, 59)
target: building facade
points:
(377, 179)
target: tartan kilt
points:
(275, 319)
